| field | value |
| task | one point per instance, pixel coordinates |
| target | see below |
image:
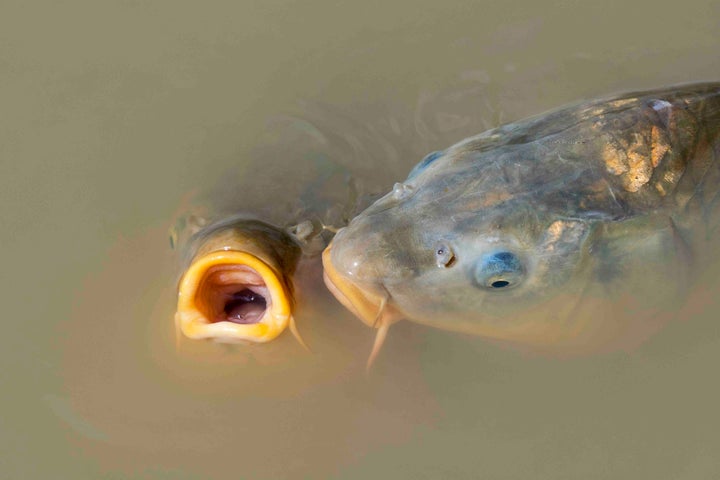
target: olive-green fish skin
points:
(270, 244)
(522, 232)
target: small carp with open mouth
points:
(568, 231)
(238, 285)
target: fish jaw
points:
(371, 307)
(205, 293)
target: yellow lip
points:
(192, 318)
(363, 304)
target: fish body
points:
(570, 230)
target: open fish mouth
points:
(234, 293)
(232, 296)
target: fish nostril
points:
(444, 255)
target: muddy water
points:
(112, 113)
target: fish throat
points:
(246, 306)
(233, 293)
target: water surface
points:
(113, 112)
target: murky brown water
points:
(113, 112)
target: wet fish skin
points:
(601, 211)
(237, 283)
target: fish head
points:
(458, 247)
(237, 287)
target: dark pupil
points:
(499, 283)
(440, 252)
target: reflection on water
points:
(112, 114)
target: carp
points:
(572, 231)
(238, 286)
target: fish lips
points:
(371, 305)
(195, 321)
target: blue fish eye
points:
(429, 158)
(498, 270)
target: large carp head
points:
(458, 246)
(567, 231)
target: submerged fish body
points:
(237, 286)
(571, 230)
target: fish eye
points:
(498, 270)
(429, 158)
(444, 256)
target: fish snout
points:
(372, 251)
(355, 273)
(351, 256)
